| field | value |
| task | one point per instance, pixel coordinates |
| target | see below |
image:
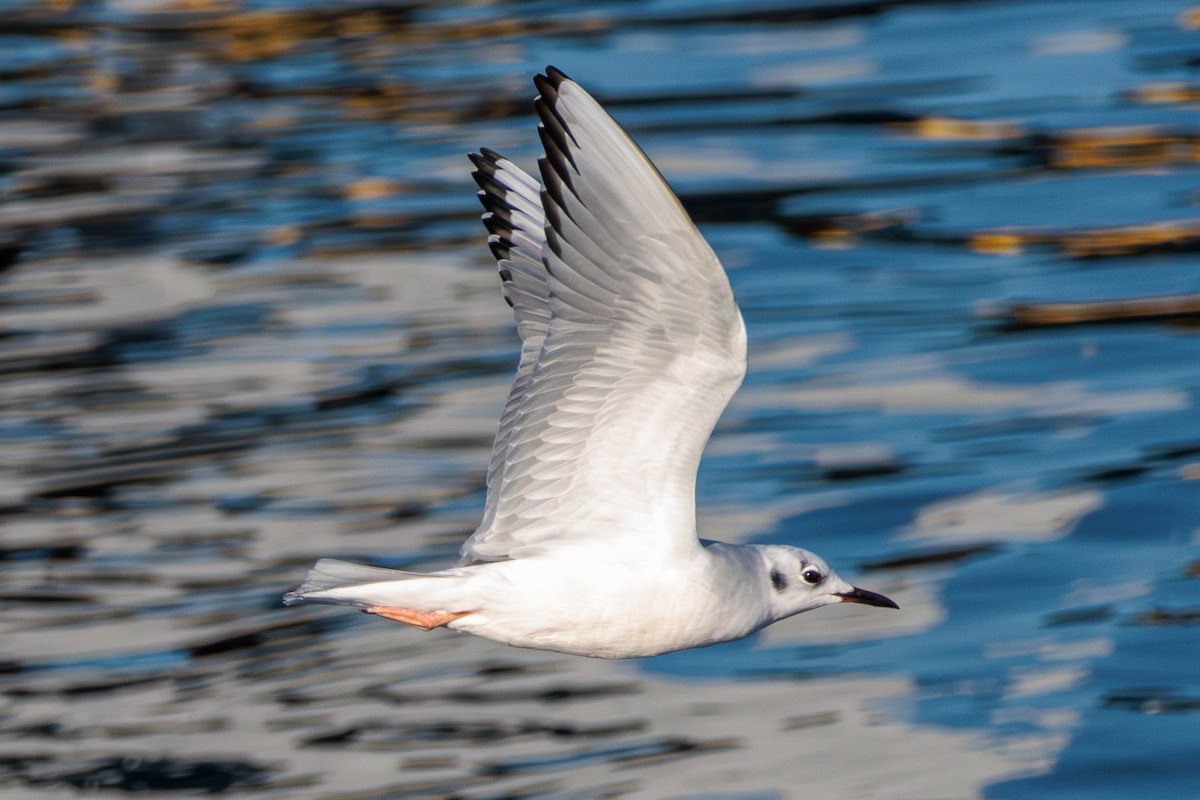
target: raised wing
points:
(632, 342)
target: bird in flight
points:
(631, 346)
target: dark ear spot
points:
(778, 580)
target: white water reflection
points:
(380, 712)
(1015, 515)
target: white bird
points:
(631, 346)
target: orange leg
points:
(425, 620)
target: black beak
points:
(865, 597)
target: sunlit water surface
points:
(247, 319)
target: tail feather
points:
(331, 574)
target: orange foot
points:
(425, 620)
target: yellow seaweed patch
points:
(1122, 147)
(998, 243)
(283, 235)
(206, 5)
(103, 81)
(380, 101)
(946, 128)
(1099, 243)
(268, 34)
(1040, 315)
(1133, 239)
(370, 189)
(842, 231)
(1168, 93)
(366, 23)
(833, 239)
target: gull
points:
(631, 347)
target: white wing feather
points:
(632, 342)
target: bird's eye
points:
(812, 576)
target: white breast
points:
(579, 600)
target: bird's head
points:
(799, 580)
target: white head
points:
(799, 580)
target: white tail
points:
(329, 574)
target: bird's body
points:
(631, 347)
(584, 599)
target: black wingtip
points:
(552, 184)
(550, 208)
(500, 219)
(554, 135)
(547, 89)
(556, 76)
(483, 162)
(501, 248)
(487, 185)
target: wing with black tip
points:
(632, 342)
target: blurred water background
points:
(247, 318)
